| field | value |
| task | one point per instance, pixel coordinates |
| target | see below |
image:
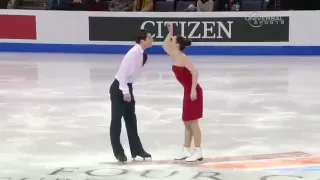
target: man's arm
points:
(126, 70)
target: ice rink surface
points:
(55, 114)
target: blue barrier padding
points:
(195, 50)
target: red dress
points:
(192, 110)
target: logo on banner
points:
(258, 21)
(192, 29)
(200, 29)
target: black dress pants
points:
(119, 109)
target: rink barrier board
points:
(196, 50)
(298, 32)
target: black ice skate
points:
(143, 154)
(121, 157)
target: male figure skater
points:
(122, 99)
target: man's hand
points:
(127, 97)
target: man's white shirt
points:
(130, 68)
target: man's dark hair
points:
(141, 35)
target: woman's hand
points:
(193, 95)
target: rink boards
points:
(212, 33)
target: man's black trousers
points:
(119, 109)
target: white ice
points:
(55, 112)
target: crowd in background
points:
(177, 5)
(184, 5)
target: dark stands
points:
(4, 4)
(166, 5)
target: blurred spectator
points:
(277, 5)
(143, 5)
(79, 5)
(191, 8)
(205, 5)
(60, 4)
(98, 5)
(235, 5)
(121, 5)
(229, 5)
(4, 4)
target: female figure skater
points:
(187, 75)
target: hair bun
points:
(187, 42)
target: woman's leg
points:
(196, 133)
(185, 153)
(187, 135)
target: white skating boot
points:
(185, 153)
(196, 155)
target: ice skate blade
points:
(142, 159)
(198, 160)
(180, 159)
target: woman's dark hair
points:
(183, 42)
(141, 35)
